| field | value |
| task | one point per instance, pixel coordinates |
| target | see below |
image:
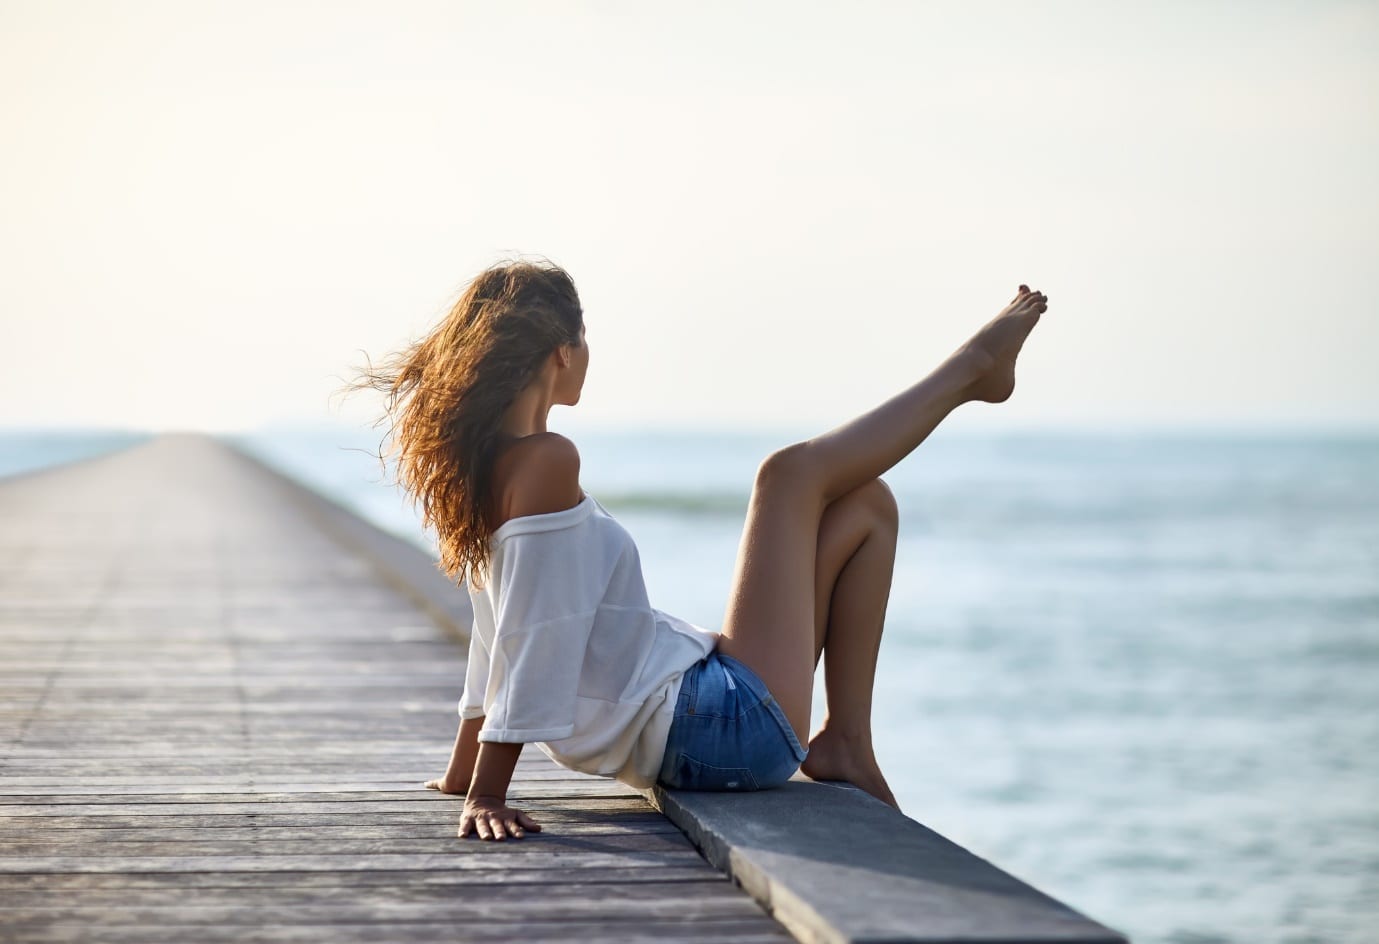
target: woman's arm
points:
(461, 768)
(544, 479)
(486, 788)
(485, 807)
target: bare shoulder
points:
(537, 475)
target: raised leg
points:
(770, 620)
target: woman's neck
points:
(527, 414)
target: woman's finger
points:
(528, 822)
(481, 825)
(495, 823)
(465, 823)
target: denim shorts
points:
(729, 733)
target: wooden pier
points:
(220, 694)
(216, 717)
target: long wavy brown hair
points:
(446, 394)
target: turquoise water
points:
(27, 451)
(1137, 672)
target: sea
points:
(1139, 671)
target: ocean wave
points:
(718, 503)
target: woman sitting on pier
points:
(566, 650)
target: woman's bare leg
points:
(852, 583)
(770, 618)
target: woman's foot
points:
(834, 757)
(446, 786)
(998, 343)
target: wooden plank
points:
(464, 854)
(439, 841)
(714, 895)
(590, 811)
(326, 833)
(280, 802)
(108, 804)
(531, 931)
(398, 781)
(490, 907)
(19, 883)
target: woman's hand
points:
(446, 786)
(491, 818)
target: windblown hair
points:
(446, 394)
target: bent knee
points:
(789, 464)
(881, 502)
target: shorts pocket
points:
(694, 774)
(717, 695)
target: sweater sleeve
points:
(475, 677)
(552, 587)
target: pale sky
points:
(778, 212)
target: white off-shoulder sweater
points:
(567, 652)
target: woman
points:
(566, 650)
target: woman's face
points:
(579, 366)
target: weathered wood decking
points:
(215, 717)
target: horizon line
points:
(662, 429)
